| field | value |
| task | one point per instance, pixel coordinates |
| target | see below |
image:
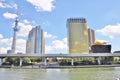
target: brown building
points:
(91, 36)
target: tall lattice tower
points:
(15, 35)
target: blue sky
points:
(102, 15)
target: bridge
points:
(60, 55)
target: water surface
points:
(60, 74)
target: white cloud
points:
(47, 35)
(1, 5)
(42, 5)
(110, 30)
(9, 15)
(5, 44)
(48, 48)
(24, 29)
(57, 46)
(5, 5)
(3, 50)
(26, 21)
(21, 45)
(15, 6)
(1, 36)
(6, 41)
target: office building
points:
(35, 42)
(91, 37)
(77, 35)
(101, 48)
(9, 51)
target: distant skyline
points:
(102, 16)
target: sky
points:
(103, 16)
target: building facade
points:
(35, 42)
(77, 35)
(91, 37)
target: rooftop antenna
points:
(15, 34)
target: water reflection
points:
(60, 74)
(56, 74)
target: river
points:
(110, 73)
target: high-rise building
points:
(9, 51)
(91, 37)
(77, 35)
(36, 42)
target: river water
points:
(110, 73)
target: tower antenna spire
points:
(15, 34)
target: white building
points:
(36, 41)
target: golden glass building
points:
(77, 35)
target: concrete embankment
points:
(52, 67)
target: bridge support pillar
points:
(72, 61)
(21, 60)
(45, 61)
(98, 59)
(1, 61)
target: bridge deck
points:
(62, 55)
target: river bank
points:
(56, 66)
